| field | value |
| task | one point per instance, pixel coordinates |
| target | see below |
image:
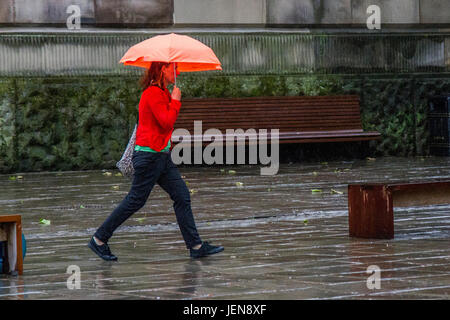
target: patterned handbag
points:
(125, 164)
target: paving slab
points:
(282, 241)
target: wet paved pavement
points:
(282, 241)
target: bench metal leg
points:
(364, 149)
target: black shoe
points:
(205, 250)
(102, 251)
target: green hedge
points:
(7, 126)
(84, 123)
(65, 124)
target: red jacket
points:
(157, 115)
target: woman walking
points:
(152, 162)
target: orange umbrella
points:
(189, 54)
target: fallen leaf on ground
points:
(118, 174)
(239, 184)
(335, 191)
(231, 171)
(370, 159)
(44, 221)
(115, 187)
(12, 178)
(316, 190)
(107, 174)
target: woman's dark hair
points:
(153, 75)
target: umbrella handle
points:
(175, 74)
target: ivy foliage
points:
(85, 123)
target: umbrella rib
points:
(170, 48)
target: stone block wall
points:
(120, 13)
(211, 12)
(207, 13)
(392, 12)
(134, 12)
(7, 11)
(435, 11)
(50, 11)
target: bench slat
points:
(280, 112)
(255, 124)
(292, 135)
(273, 99)
(294, 108)
(274, 117)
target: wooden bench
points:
(11, 233)
(371, 206)
(300, 119)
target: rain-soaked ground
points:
(282, 241)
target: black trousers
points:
(151, 168)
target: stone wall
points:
(207, 13)
(75, 54)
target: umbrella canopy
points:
(189, 54)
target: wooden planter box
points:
(11, 233)
(371, 206)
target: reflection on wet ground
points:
(282, 241)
